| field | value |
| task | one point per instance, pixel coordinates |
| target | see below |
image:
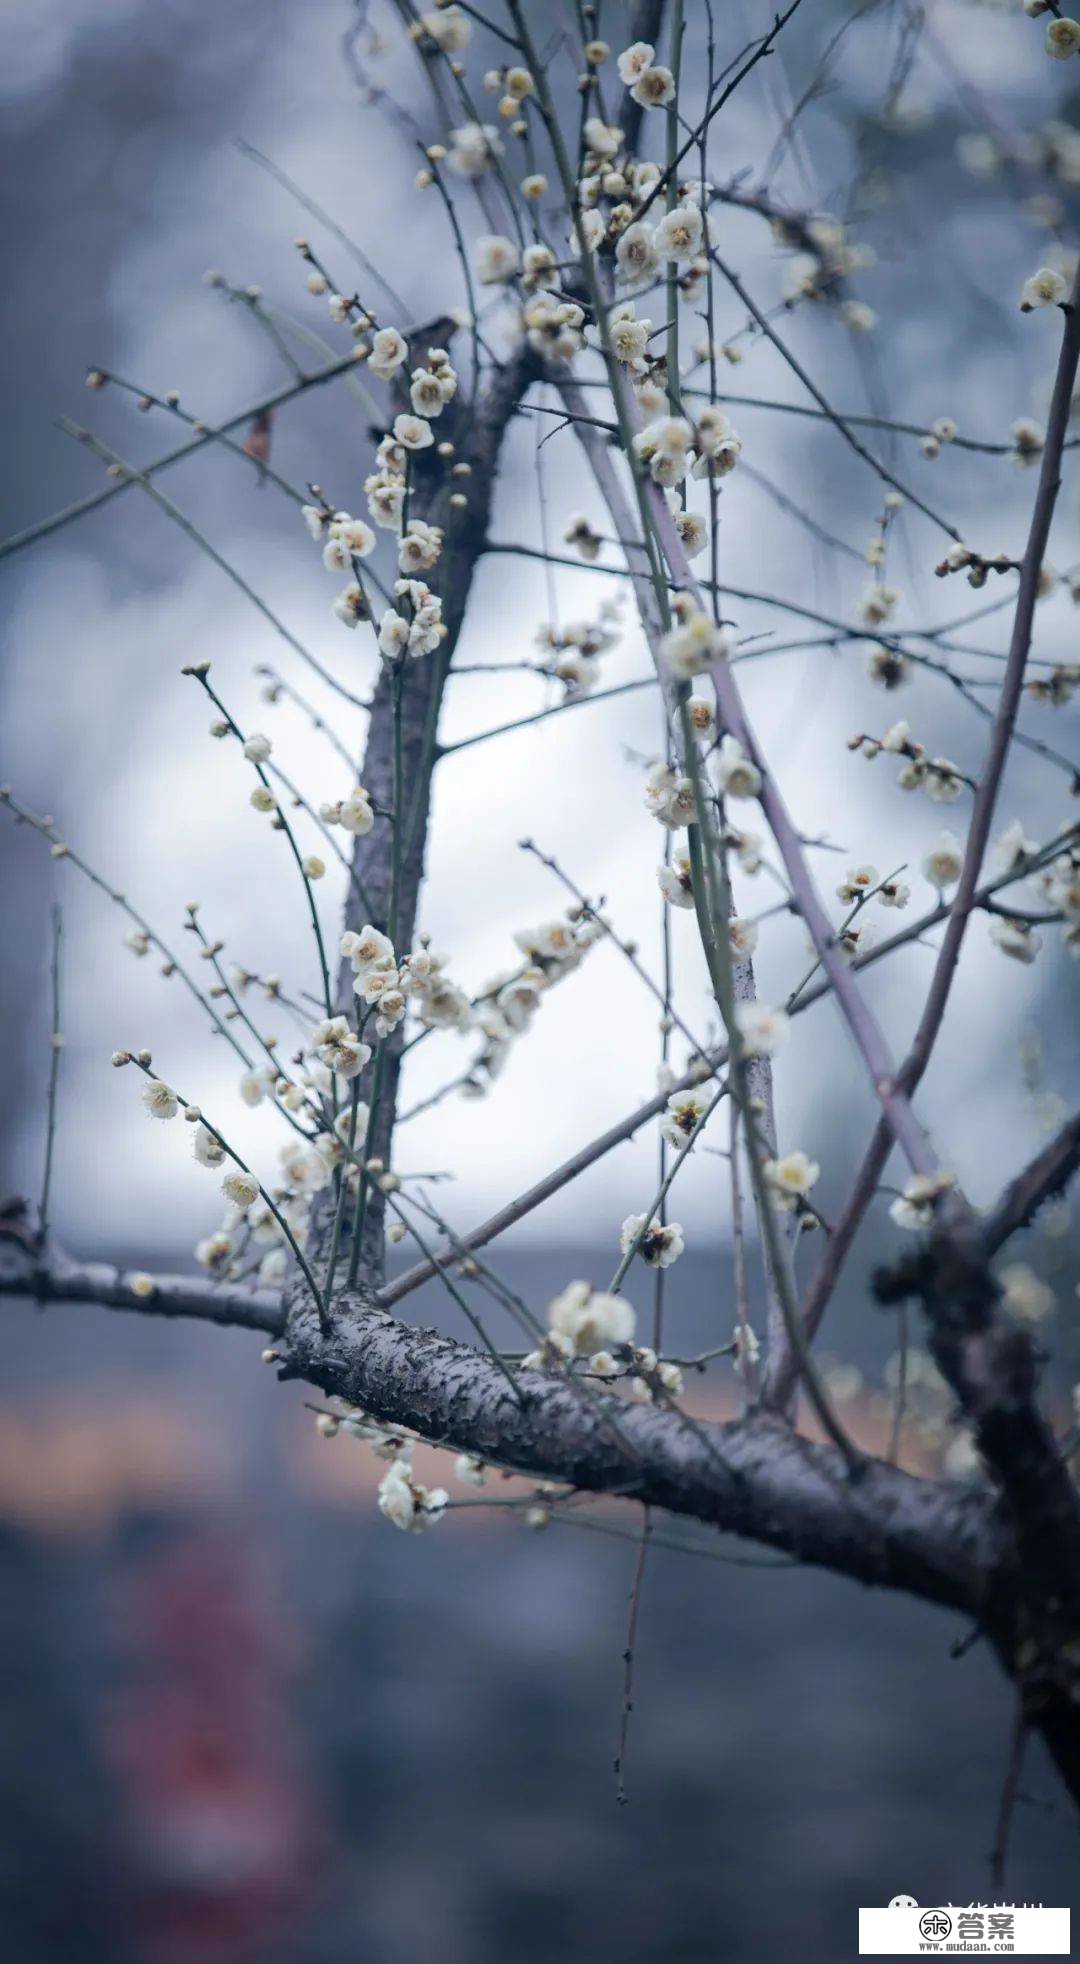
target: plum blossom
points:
(763, 1031)
(792, 1177)
(733, 773)
(590, 1320)
(684, 1111)
(944, 862)
(675, 880)
(495, 259)
(661, 1243)
(914, 1208)
(679, 234)
(406, 1503)
(669, 797)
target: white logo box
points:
(981, 1930)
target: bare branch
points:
(50, 1276)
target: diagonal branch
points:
(966, 897)
(617, 1134)
(118, 485)
(1047, 1174)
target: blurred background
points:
(243, 1720)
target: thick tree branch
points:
(754, 1478)
(478, 439)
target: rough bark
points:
(477, 436)
(753, 1477)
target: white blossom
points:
(369, 949)
(1024, 1294)
(634, 61)
(241, 1188)
(538, 266)
(944, 862)
(859, 881)
(427, 393)
(743, 937)
(763, 1031)
(338, 1046)
(635, 254)
(349, 606)
(413, 432)
(215, 1252)
(449, 28)
(628, 337)
(914, 1208)
(603, 139)
(1062, 38)
(589, 1319)
(664, 445)
(495, 259)
(389, 1012)
(1028, 438)
(1015, 938)
(675, 880)
(406, 1502)
(660, 1244)
(733, 773)
(792, 1176)
(694, 644)
(858, 316)
(419, 547)
(876, 604)
(685, 1109)
(353, 534)
(942, 781)
(669, 796)
(353, 813)
(1045, 288)
(718, 445)
(473, 148)
(693, 532)
(747, 1349)
(160, 1099)
(1012, 847)
(208, 1148)
(679, 234)
(654, 88)
(393, 634)
(388, 350)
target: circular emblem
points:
(935, 1925)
